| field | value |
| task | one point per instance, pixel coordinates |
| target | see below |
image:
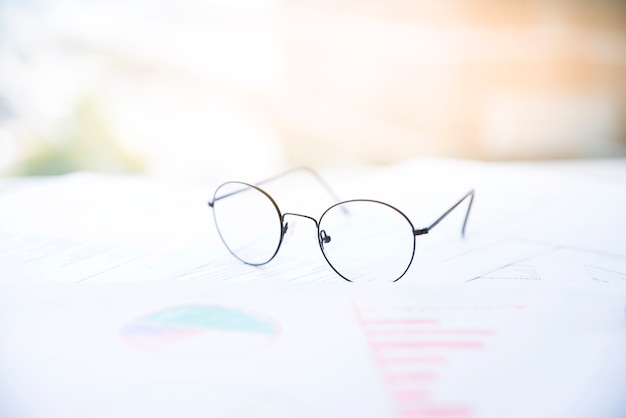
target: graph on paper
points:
(221, 328)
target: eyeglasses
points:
(361, 239)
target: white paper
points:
(262, 350)
(564, 265)
(523, 318)
(88, 227)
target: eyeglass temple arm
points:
(308, 170)
(469, 194)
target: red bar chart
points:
(412, 346)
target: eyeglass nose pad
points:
(287, 233)
(324, 238)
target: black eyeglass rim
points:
(278, 213)
(281, 218)
(318, 223)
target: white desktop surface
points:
(117, 299)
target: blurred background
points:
(191, 88)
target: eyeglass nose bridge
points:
(284, 215)
(285, 224)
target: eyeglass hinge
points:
(420, 231)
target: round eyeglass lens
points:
(364, 240)
(248, 222)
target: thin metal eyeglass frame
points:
(324, 239)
